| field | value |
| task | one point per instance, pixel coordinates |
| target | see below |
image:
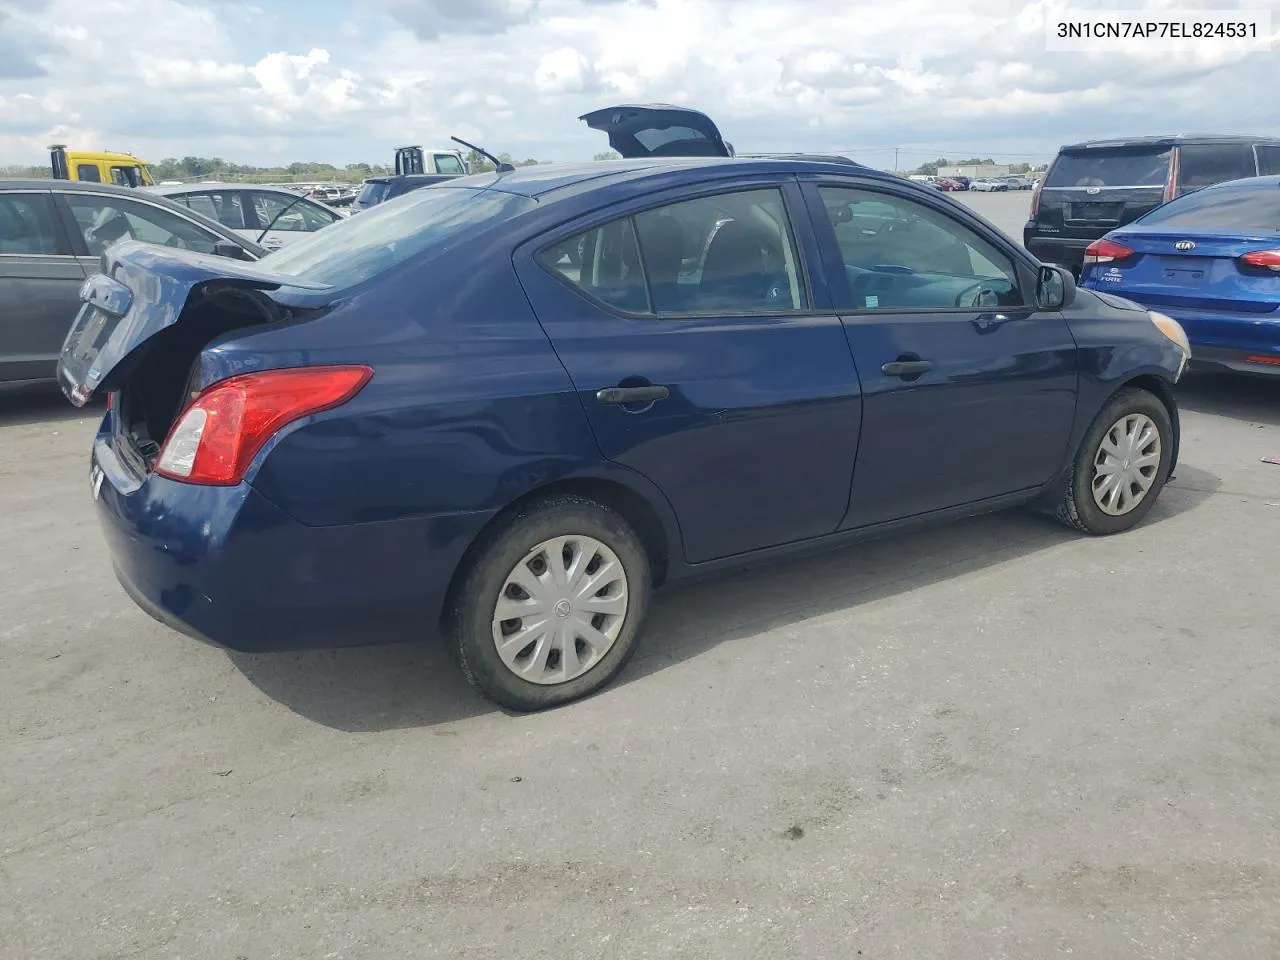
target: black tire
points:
(470, 623)
(1078, 508)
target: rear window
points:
(1268, 159)
(372, 193)
(1111, 168)
(359, 248)
(1235, 206)
(448, 163)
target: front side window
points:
(1204, 164)
(104, 220)
(126, 176)
(899, 254)
(729, 254)
(295, 214)
(27, 224)
(448, 163)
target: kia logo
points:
(1093, 191)
(1184, 245)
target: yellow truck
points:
(122, 169)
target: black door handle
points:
(629, 395)
(906, 368)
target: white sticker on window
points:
(873, 301)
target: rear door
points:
(705, 360)
(969, 392)
(658, 130)
(40, 284)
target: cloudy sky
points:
(348, 80)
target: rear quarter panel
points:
(469, 408)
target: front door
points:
(39, 286)
(969, 392)
(693, 341)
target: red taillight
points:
(216, 437)
(1105, 251)
(1263, 258)
(1035, 195)
(1256, 358)
(1175, 171)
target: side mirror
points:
(231, 250)
(1055, 288)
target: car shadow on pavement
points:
(41, 404)
(1252, 399)
(369, 689)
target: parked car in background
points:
(947, 185)
(1211, 260)
(963, 181)
(333, 196)
(1092, 188)
(270, 216)
(52, 236)
(987, 185)
(378, 190)
(433, 417)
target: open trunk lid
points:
(637, 131)
(142, 291)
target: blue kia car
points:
(501, 409)
(1211, 260)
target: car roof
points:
(544, 180)
(1168, 140)
(148, 194)
(48, 183)
(166, 190)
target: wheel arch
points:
(1162, 388)
(655, 533)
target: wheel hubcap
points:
(560, 610)
(1126, 464)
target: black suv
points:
(1092, 188)
(378, 190)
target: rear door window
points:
(1248, 206)
(224, 206)
(104, 220)
(1111, 168)
(27, 224)
(1268, 159)
(1204, 164)
(88, 172)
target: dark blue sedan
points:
(1211, 260)
(503, 408)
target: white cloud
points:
(178, 77)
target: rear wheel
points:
(551, 608)
(1121, 466)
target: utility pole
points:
(895, 159)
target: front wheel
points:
(551, 607)
(1121, 466)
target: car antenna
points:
(502, 165)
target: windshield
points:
(1235, 206)
(1111, 168)
(362, 247)
(373, 192)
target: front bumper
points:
(227, 566)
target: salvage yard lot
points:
(992, 739)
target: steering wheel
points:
(978, 295)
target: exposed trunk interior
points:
(165, 379)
